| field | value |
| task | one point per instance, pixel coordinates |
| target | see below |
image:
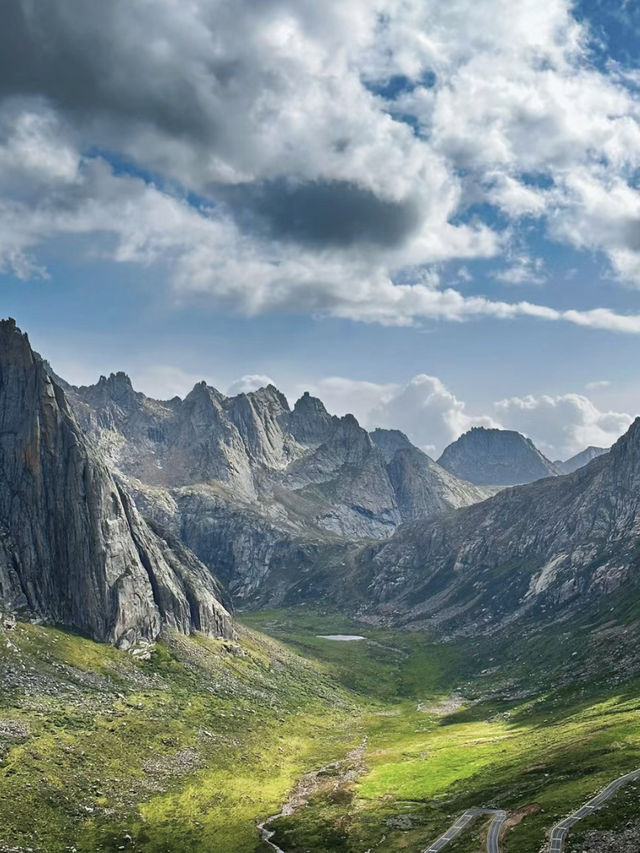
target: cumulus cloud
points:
(562, 425)
(260, 156)
(432, 416)
(428, 412)
(423, 408)
(249, 382)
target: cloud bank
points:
(432, 416)
(326, 158)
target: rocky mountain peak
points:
(308, 403)
(310, 423)
(115, 389)
(269, 395)
(496, 457)
(580, 459)
(204, 392)
(15, 348)
(390, 441)
(624, 456)
(118, 385)
(352, 437)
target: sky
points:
(425, 213)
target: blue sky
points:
(425, 222)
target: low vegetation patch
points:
(185, 746)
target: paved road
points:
(560, 830)
(493, 839)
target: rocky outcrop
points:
(310, 424)
(301, 474)
(73, 547)
(422, 487)
(255, 489)
(496, 457)
(546, 550)
(580, 459)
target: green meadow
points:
(186, 751)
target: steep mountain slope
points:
(255, 488)
(580, 459)
(422, 487)
(73, 548)
(497, 457)
(302, 467)
(541, 551)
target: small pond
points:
(343, 638)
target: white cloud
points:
(432, 416)
(522, 270)
(423, 408)
(343, 396)
(249, 382)
(207, 254)
(260, 108)
(598, 385)
(515, 198)
(428, 412)
(562, 425)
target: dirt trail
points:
(329, 777)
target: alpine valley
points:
(232, 625)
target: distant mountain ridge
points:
(580, 459)
(531, 554)
(496, 457)
(103, 491)
(254, 442)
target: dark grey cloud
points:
(114, 66)
(324, 213)
(97, 59)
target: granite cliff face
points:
(497, 457)
(580, 459)
(73, 547)
(549, 549)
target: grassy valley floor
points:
(445, 735)
(188, 745)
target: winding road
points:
(560, 830)
(493, 839)
(557, 836)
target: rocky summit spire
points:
(73, 549)
(310, 423)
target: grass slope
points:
(182, 752)
(186, 751)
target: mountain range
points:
(121, 514)
(545, 551)
(580, 459)
(257, 489)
